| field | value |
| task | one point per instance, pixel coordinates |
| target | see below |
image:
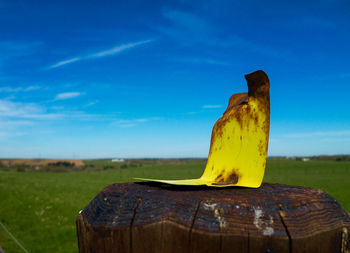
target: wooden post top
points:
(152, 217)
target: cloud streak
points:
(125, 123)
(19, 89)
(91, 103)
(15, 123)
(67, 95)
(119, 49)
(108, 52)
(25, 111)
(65, 62)
(19, 114)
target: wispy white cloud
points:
(19, 89)
(132, 122)
(91, 103)
(67, 95)
(19, 114)
(15, 123)
(25, 111)
(20, 118)
(204, 109)
(127, 125)
(118, 49)
(104, 53)
(62, 63)
(211, 106)
(32, 87)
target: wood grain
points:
(151, 217)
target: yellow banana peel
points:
(239, 140)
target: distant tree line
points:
(337, 158)
(62, 164)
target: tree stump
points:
(150, 217)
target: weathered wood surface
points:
(135, 217)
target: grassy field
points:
(39, 208)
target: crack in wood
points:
(192, 224)
(281, 214)
(132, 222)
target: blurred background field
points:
(39, 203)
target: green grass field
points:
(39, 208)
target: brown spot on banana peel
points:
(229, 179)
(220, 123)
(219, 178)
(233, 178)
(241, 112)
(262, 148)
(239, 118)
(256, 120)
(236, 100)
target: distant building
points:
(118, 160)
(305, 159)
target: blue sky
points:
(92, 79)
